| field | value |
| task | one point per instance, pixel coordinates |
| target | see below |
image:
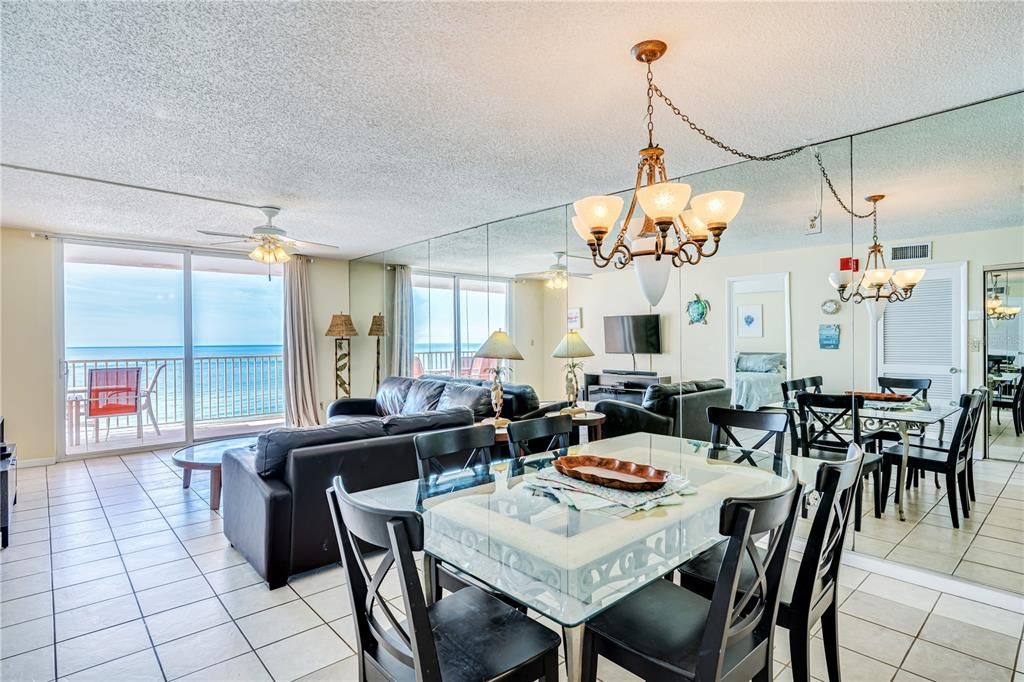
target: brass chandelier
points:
(878, 282)
(994, 308)
(669, 231)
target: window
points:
(452, 317)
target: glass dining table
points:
(502, 527)
(889, 416)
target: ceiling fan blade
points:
(213, 233)
(581, 275)
(230, 241)
(303, 242)
(544, 274)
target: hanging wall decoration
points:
(697, 310)
(828, 336)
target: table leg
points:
(901, 479)
(215, 488)
(573, 638)
(596, 432)
(429, 586)
(186, 478)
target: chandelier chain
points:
(650, 106)
(828, 181)
(777, 156)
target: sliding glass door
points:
(452, 316)
(163, 347)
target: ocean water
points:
(228, 381)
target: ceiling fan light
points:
(908, 279)
(717, 209)
(279, 255)
(598, 212)
(258, 254)
(663, 201)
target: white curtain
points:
(300, 394)
(402, 328)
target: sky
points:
(116, 305)
(433, 316)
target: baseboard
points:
(36, 462)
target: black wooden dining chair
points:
(664, 631)
(1015, 404)
(772, 426)
(467, 636)
(952, 463)
(813, 384)
(822, 436)
(810, 582)
(789, 390)
(542, 434)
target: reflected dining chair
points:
(822, 416)
(953, 463)
(1015, 404)
(789, 390)
(664, 631)
(469, 635)
(542, 434)
(810, 582)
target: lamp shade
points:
(572, 346)
(581, 228)
(635, 226)
(840, 279)
(908, 279)
(717, 208)
(663, 201)
(377, 325)
(499, 346)
(694, 226)
(600, 212)
(341, 326)
(651, 274)
(877, 277)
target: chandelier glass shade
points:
(878, 282)
(994, 308)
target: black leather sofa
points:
(274, 508)
(678, 409)
(402, 395)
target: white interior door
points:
(926, 335)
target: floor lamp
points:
(377, 329)
(342, 329)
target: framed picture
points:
(749, 320)
(574, 318)
(828, 336)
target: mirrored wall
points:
(761, 312)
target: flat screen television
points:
(632, 334)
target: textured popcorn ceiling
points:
(379, 124)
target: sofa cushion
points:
(524, 398)
(391, 395)
(709, 384)
(658, 397)
(273, 446)
(454, 380)
(422, 396)
(476, 398)
(397, 424)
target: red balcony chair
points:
(114, 392)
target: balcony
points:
(443, 362)
(233, 394)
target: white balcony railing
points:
(224, 387)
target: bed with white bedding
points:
(758, 379)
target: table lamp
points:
(377, 329)
(342, 329)
(498, 346)
(572, 346)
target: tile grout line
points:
(53, 596)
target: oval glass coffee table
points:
(207, 456)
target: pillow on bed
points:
(760, 362)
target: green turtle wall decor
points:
(697, 310)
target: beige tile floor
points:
(988, 548)
(115, 572)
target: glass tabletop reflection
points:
(569, 564)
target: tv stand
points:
(621, 384)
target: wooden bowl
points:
(612, 473)
(883, 397)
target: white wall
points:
(367, 297)
(328, 294)
(699, 351)
(773, 313)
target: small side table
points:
(591, 421)
(208, 456)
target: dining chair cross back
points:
(664, 631)
(723, 420)
(823, 417)
(917, 387)
(813, 384)
(810, 583)
(453, 639)
(1015, 404)
(952, 463)
(790, 388)
(440, 452)
(552, 431)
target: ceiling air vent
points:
(907, 252)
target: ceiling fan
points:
(271, 241)
(556, 276)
